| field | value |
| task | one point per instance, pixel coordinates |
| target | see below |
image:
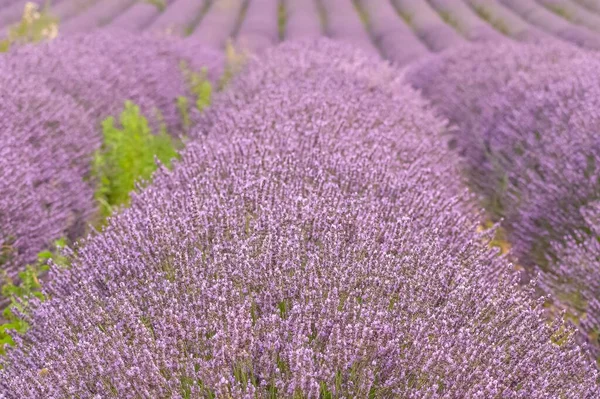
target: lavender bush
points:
(529, 137)
(460, 82)
(315, 251)
(98, 70)
(52, 109)
(574, 283)
(45, 155)
(541, 150)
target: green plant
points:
(199, 85)
(128, 155)
(29, 287)
(234, 62)
(35, 25)
(561, 11)
(160, 4)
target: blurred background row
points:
(398, 30)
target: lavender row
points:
(179, 17)
(259, 29)
(458, 14)
(98, 15)
(530, 145)
(302, 20)
(391, 34)
(82, 79)
(138, 17)
(428, 25)
(573, 12)
(219, 23)
(506, 21)
(310, 245)
(344, 23)
(552, 23)
(592, 5)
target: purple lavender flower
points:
(53, 98)
(317, 249)
(46, 142)
(99, 71)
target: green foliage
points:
(486, 15)
(160, 4)
(28, 288)
(281, 20)
(448, 18)
(199, 85)
(127, 156)
(559, 10)
(35, 25)
(234, 62)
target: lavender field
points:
(299, 199)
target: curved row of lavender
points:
(574, 12)
(99, 71)
(138, 16)
(46, 141)
(302, 20)
(259, 29)
(458, 14)
(428, 25)
(180, 17)
(309, 246)
(554, 24)
(343, 23)
(391, 34)
(96, 16)
(218, 24)
(506, 21)
(527, 126)
(54, 96)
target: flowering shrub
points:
(315, 251)
(100, 72)
(44, 157)
(531, 147)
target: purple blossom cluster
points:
(53, 97)
(316, 243)
(527, 125)
(100, 71)
(46, 143)
(574, 283)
